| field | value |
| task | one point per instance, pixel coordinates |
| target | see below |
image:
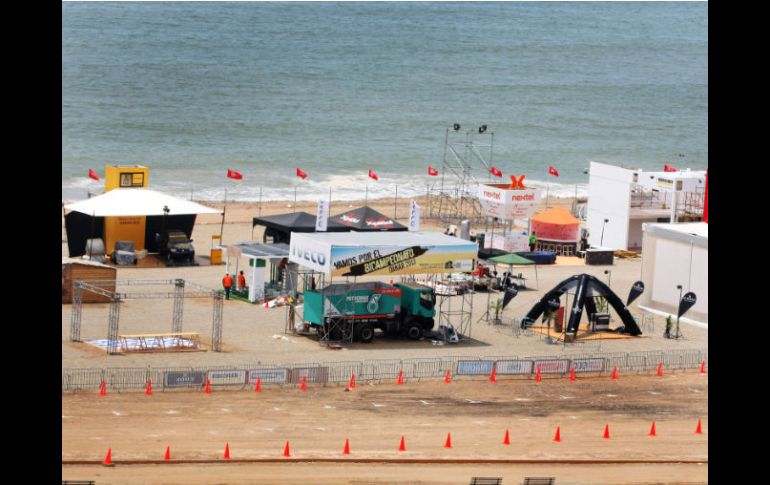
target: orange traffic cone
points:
(572, 375)
(108, 459)
(266, 304)
(400, 377)
(352, 383)
(303, 384)
(447, 377)
(652, 430)
(103, 389)
(507, 439)
(660, 369)
(606, 434)
(402, 446)
(346, 450)
(448, 443)
(227, 451)
(167, 456)
(148, 389)
(258, 387)
(615, 374)
(208, 386)
(493, 376)
(537, 376)
(698, 429)
(286, 449)
(557, 438)
(703, 367)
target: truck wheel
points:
(414, 331)
(365, 333)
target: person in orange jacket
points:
(241, 282)
(227, 282)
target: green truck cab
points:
(341, 311)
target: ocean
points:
(194, 89)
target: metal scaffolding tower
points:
(467, 161)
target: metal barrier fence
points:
(336, 373)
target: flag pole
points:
(294, 207)
(547, 188)
(395, 205)
(366, 197)
(224, 210)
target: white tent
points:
(136, 202)
(382, 253)
(672, 255)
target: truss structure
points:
(181, 289)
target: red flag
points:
(552, 170)
(373, 175)
(496, 172)
(432, 171)
(233, 174)
(669, 168)
(301, 174)
(92, 174)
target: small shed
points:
(81, 269)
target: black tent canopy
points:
(280, 226)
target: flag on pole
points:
(234, 174)
(668, 168)
(496, 172)
(92, 174)
(432, 171)
(373, 175)
(552, 171)
(301, 174)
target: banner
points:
(396, 260)
(687, 301)
(227, 377)
(511, 242)
(498, 200)
(414, 217)
(636, 290)
(474, 367)
(588, 365)
(552, 366)
(322, 216)
(184, 379)
(514, 366)
(275, 376)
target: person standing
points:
(241, 282)
(532, 241)
(227, 282)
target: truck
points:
(352, 312)
(175, 247)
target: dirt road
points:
(316, 423)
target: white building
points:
(672, 255)
(620, 200)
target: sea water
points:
(194, 89)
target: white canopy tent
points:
(136, 202)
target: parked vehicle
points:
(175, 246)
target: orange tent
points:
(556, 224)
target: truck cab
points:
(418, 307)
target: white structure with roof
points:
(621, 200)
(672, 255)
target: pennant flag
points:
(301, 174)
(233, 174)
(552, 170)
(373, 175)
(496, 172)
(432, 171)
(92, 174)
(669, 168)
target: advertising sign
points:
(499, 200)
(227, 377)
(314, 374)
(587, 365)
(322, 216)
(274, 376)
(184, 379)
(511, 242)
(474, 367)
(514, 366)
(386, 260)
(414, 217)
(552, 366)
